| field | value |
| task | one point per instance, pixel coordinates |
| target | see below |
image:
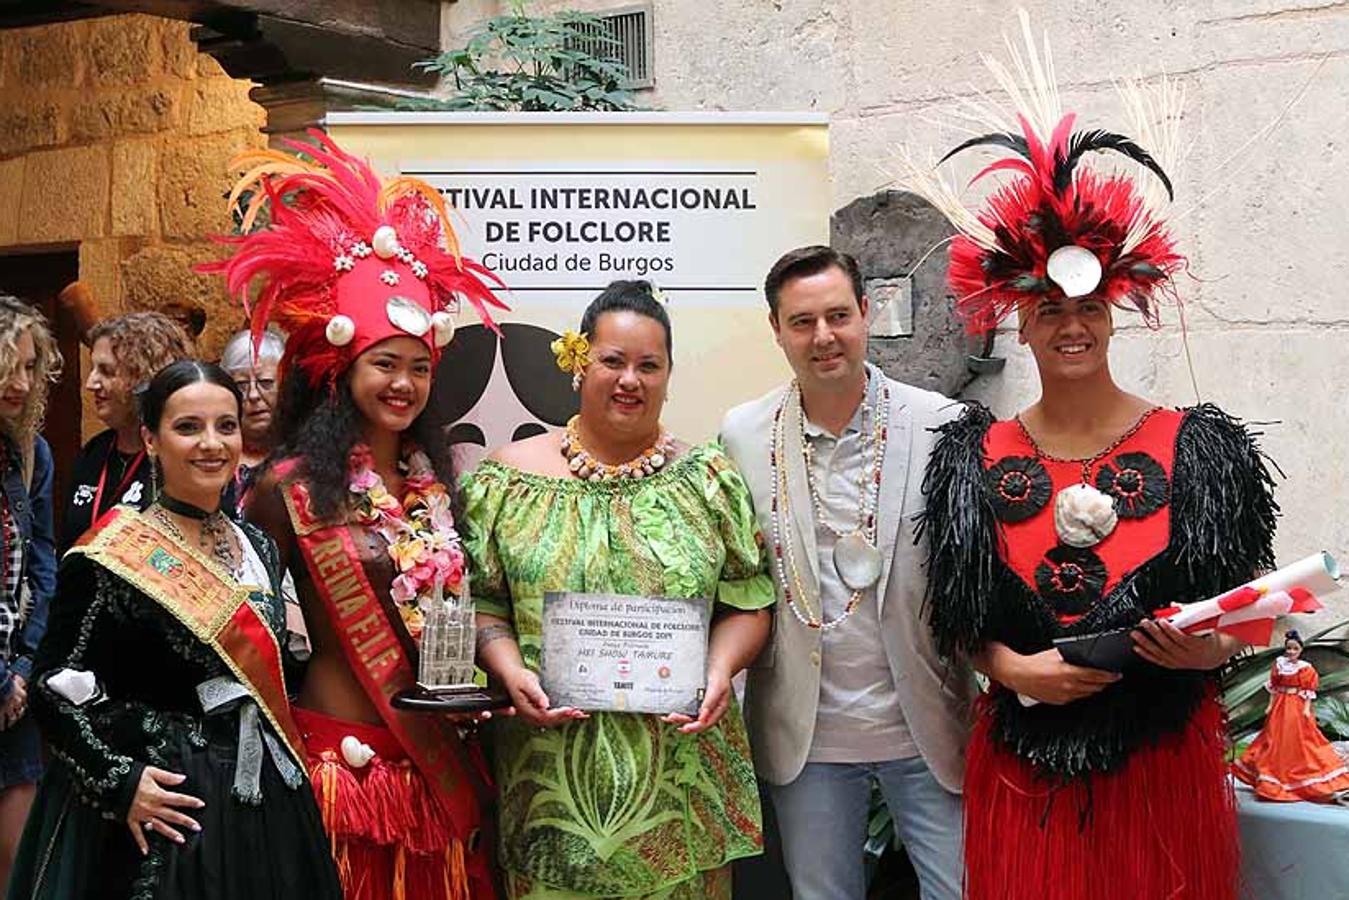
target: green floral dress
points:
(618, 805)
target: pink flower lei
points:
(427, 554)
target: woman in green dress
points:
(607, 804)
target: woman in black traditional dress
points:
(178, 771)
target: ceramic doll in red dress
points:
(1291, 759)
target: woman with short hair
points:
(125, 352)
(254, 370)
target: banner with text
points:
(559, 205)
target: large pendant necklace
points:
(218, 539)
(645, 464)
(856, 558)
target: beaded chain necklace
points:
(1084, 515)
(1086, 462)
(784, 556)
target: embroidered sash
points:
(382, 657)
(203, 597)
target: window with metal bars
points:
(623, 34)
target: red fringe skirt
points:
(390, 836)
(1161, 828)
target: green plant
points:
(517, 62)
(881, 834)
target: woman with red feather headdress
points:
(1080, 516)
(364, 275)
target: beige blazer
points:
(783, 687)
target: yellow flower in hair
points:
(572, 351)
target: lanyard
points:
(103, 477)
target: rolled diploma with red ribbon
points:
(1248, 612)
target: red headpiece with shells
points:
(349, 259)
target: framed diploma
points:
(619, 653)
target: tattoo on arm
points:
(496, 631)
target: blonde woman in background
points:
(29, 363)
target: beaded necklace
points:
(784, 556)
(1086, 462)
(584, 465)
(1083, 515)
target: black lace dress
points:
(77, 843)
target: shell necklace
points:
(856, 558)
(1083, 515)
(645, 464)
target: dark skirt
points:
(273, 851)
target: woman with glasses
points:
(254, 374)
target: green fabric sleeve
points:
(755, 592)
(484, 494)
(745, 580)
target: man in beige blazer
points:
(850, 690)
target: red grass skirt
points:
(390, 836)
(1161, 828)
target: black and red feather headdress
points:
(1058, 227)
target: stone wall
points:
(115, 136)
(1265, 307)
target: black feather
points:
(1011, 141)
(1084, 142)
(961, 529)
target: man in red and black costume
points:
(1082, 515)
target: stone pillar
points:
(895, 237)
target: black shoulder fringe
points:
(1222, 531)
(962, 534)
(1223, 512)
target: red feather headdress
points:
(1057, 228)
(348, 259)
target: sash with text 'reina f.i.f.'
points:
(206, 599)
(381, 654)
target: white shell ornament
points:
(340, 331)
(385, 242)
(1083, 516)
(857, 561)
(442, 327)
(355, 752)
(407, 315)
(1076, 270)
